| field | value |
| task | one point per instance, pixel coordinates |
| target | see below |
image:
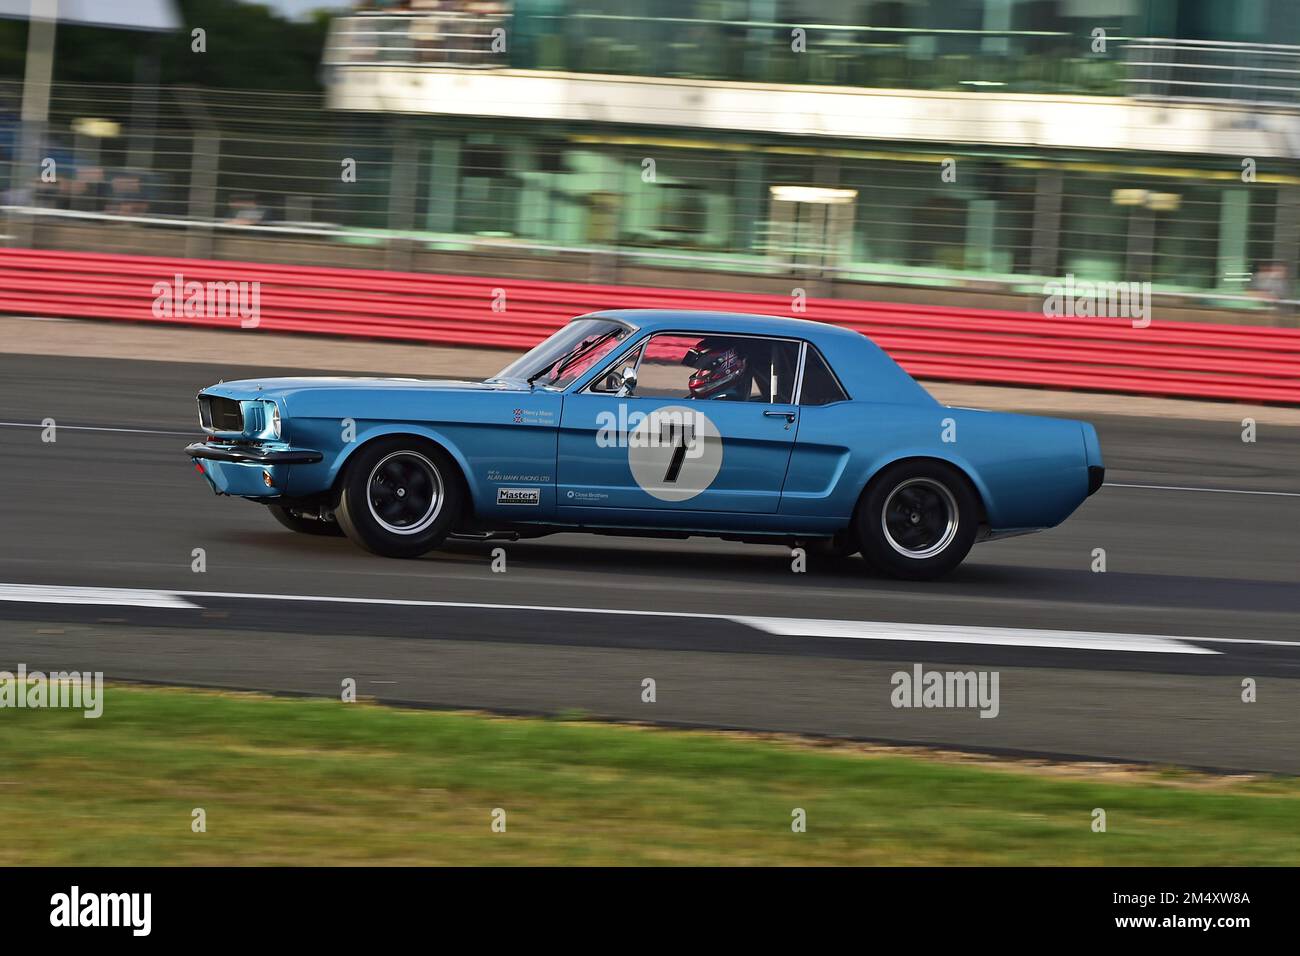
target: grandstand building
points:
(982, 145)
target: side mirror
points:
(629, 380)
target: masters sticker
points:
(519, 496)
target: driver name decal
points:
(532, 416)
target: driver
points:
(721, 370)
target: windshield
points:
(567, 354)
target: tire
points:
(399, 497)
(918, 520)
(295, 521)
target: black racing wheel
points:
(399, 497)
(918, 519)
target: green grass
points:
(319, 782)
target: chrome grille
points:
(217, 414)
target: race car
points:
(653, 422)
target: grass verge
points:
(286, 781)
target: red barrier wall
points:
(968, 345)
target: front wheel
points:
(399, 497)
(918, 520)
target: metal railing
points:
(749, 50)
(838, 54)
(438, 39)
(1261, 73)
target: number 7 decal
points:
(679, 452)
(674, 452)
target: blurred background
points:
(921, 170)
(793, 142)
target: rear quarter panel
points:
(1030, 472)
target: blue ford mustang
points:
(675, 423)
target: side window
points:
(820, 386)
(611, 383)
(738, 368)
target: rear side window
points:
(820, 387)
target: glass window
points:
(568, 353)
(737, 368)
(820, 387)
(611, 382)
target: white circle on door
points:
(675, 452)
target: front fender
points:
(307, 480)
(374, 431)
(501, 443)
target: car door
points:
(708, 426)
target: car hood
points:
(283, 388)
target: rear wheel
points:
(304, 523)
(399, 497)
(918, 520)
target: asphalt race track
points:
(1144, 662)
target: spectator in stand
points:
(126, 196)
(1271, 282)
(87, 191)
(246, 211)
(18, 196)
(47, 194)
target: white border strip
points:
(97, 428)
(1218, 491)
(997, 636)
(108, 597)
(781, 626)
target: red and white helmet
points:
(719, 368)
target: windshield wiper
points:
(575, 353)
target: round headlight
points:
(275, 420)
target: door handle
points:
(771, 413)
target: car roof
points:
(705, 321)
(862, 367)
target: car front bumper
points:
(248, 471)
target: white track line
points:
(108, 597)
(96, 428)
(1217, 491)
(949, 634)
(782, 626)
